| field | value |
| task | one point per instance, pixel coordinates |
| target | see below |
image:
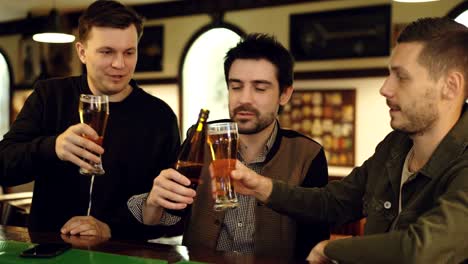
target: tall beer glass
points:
(94, 111)
(223, 142)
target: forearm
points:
(393, 247)
(151, 214)
(143, 213)
(22, 158)
(437, 236)
(294, 201)
(27, 147)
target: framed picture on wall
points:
(29, 60)
(347, 33)
(327, 116)
(150, 50)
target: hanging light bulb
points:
(54, 31)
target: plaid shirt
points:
(237, 232)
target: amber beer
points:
(190, 170)
(223, 142)
(94, 111)
(191, 156)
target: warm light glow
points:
(463, 18)
(415, 1)
(4, 96)
(49, 37)
(203, 76)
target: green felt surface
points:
(10, 253)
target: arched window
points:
(460, 13)
(203, 84)
(5, 88)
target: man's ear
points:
(454, 86)
(286, 95)
(81, 51)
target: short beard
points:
(259, 126)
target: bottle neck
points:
(200, 124)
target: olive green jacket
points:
(433, 224)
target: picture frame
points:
(346, 33)
(150, 50)
(329, 117)
(29, 59)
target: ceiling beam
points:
(28, 26)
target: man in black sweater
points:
(45, 143)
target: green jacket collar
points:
(450, 148)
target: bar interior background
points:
(176, 25)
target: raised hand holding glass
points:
(94, 111)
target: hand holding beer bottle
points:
(191, 155)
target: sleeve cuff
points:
(135, 205)
(277, 192)
(168, 219)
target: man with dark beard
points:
(259, 75)
(414, 189)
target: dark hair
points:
(108, 13)
(454, 47)
(263, 46)
(445, 45)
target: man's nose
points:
(118, 61)
(386, 90)
(246, 95)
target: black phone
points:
(46, 250)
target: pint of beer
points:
(94, 111)
(223, 142)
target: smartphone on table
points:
(46, 250)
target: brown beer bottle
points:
(191, 155)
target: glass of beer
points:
(94, 111)
(223, 143)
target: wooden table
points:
(169, 253)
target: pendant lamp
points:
(54, 32)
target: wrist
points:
(264, 190)
(151, 214)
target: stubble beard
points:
(258, 124)
(420, 118)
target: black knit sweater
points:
(141, 139)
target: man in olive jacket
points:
(414, 189)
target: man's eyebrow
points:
(399, 69)
(111, 48)
(262, 82)
(234, 80)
